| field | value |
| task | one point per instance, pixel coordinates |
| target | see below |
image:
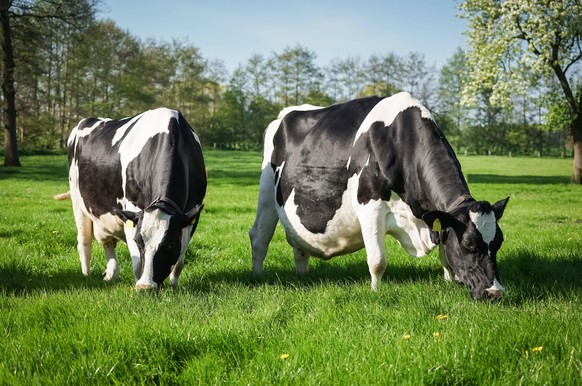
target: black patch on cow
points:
(99, 167)
(315, 146)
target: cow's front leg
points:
(177, 268)
(112, 270)
(136, 260)
(372, 219)
(266, 221)
(445, 263)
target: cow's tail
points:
(62, 196)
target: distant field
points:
(222, 326)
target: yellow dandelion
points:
(436, 334)
(406, 336)
(537, 349)
(442, 317)
(283, 356)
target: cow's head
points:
(161, 233)
(471, 238)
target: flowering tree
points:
(512, 42)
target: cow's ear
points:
(499, 207)
(127, 216)
(438, 220)
(192, 215)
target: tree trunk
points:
(576, 131)
(577, 166)
(11, 157)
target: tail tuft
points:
(62, 196)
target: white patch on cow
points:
(411, 233)
(152, 122)
(349, 161)
(486, 224)
(85, 131)
(388, 108)
(106, 227)
(342, 234)
(154, 226)
(274, 126)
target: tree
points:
(11, 157)
(384, 75)
(511, 40)
(297, 73)
(451, 82)
(416, 77)
(66, 11)
(346, 78)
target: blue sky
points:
(232, 31)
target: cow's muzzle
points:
(495, 291)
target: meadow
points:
(223, 326)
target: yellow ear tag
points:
(194, 221)
(129, 224)
(436, 225)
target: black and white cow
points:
(342, 177)
(141, 180)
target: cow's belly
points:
(342, 233)
(106, 227)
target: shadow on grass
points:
(18, 281)
(499, 179)
(37, 171)
(321, 273)
(529, 276)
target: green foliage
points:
(512, 43)
(221, 325)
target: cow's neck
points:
(434, 182)
(447, 188)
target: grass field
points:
(221, 326)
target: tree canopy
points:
(65, 71)
(516, 43)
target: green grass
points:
(222, 326)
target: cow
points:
(141, 180)
(340, 178)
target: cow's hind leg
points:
(266, 221)
(301, 261)
(84, 239)
(372, 219)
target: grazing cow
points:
(342, 177)
(141, 180)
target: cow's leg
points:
(84, 239)
(112, 270)
(372, 219)
(176, 271)
(445, 264)
(177, 268)
(266, 221)
(301, 260)
(136, 261)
